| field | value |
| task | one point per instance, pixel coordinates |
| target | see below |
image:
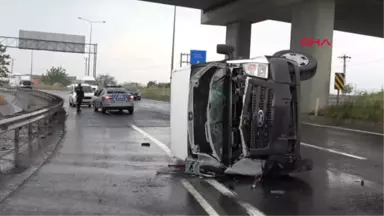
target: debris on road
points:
(279, 192)
(145, 144)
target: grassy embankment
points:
(365, 106)
(51, 87)
(156, 93)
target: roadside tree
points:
(55, 75)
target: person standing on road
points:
(79, 96)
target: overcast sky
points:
(135, 43)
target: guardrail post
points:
(30, 140)
(39, 136)
(50, 125)
(17, 147)
(46, 126)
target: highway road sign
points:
(198, 57)
(339, 81)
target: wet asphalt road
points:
(101, 168)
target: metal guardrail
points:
(43, 120)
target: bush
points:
(156, 93)
(56, 87)
(367, 107)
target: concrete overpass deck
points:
(314, 19)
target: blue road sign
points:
(198, 56)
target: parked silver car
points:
(113, 98)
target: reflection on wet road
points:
(101, 168)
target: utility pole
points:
(344, 57)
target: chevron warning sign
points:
(339, 81)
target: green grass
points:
(156, 93)
(365, 106)
(51, 87)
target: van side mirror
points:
(225, 50)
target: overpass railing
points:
(22, 134)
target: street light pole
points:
(90, 22)
(89, 50)
(31, 62)
(86, 67)
(173, 39)
(12, 61)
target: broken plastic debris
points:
(145, 144)
(277, 192)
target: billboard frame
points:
(13, 42)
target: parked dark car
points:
(135, 92)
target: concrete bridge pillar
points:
(314, 19)
(238, 35)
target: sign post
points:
(339, 85)
(198, 57)
(181, 59)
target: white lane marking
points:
(343, 128)
(334, 151)
(221, 188)
(161, 145)
(251, 210)
(168, 151)
(199, 198)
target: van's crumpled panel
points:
(247, 167)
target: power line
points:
(361, 63)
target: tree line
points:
(59, 76)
